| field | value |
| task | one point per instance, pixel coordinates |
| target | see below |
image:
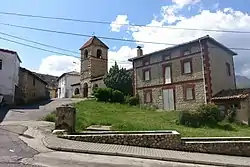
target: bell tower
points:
(94, 65)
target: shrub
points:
(190, 118)
(210, 114)
(50, 117)
(103, 94)
(133, 101)
(117, 97)
(206, 114)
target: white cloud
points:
(57, 65)
(119, 22)
(226, 19)
(182, 3)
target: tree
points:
(119, 79)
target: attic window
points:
(86, 54)
(99, 53)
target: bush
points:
(208, 114)
(103, 94)
(133, 101)
(117, 97)
(50, 117)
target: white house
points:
(65, 81)
(9, 74)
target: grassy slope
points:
(123, 117)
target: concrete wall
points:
(9, 75)
(218, 59)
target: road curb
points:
(200, 162)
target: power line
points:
(131, 25)
(102, 37)
(36, 47)
(38, 43)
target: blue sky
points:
(138, 12)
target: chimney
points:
(139, 51)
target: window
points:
(146, 61)
(167, 78)
(186, 66)
(1, 64)
(186, 52)
(189, 92)
(34, 81)
(99, 53)
(148, 96)
(228, 69)
(86, 54)
(146, 75)
(166, 57)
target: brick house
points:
(94, 65)
(183, 76)
(31, 88)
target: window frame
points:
(164, 66)
(189, 60)
(146, 61)
(34, 81)
(145, 92)
(228, 68)
(1, 64)
(185, 88)
(145, 70)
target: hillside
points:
(242, 82)
(50, 79)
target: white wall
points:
(71, 79)
(65, 83)
(9, 75)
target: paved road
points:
(13, 149)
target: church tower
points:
(94, 65)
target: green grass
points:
(124, 117)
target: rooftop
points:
(91, 41)
(11, 52)
(231, 94)
(207, 37)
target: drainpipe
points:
(203, 71)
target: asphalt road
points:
(13, 149)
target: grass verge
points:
(124, 117)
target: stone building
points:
(237, 99)
(185, 75)
(31, 88)
(94, 65)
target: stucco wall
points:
(65, 84)
(9, 75)
(218, 59)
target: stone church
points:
(94, 65)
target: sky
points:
(198, 14)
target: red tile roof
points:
(11, 52)
(91, 40)
(232, 94)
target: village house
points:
(9, 70)
(64, 84)
(185, 75)
(94, 65)
(31, 88)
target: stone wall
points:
(31, 87)
(228, 146)
(164, 140)
(240, 148)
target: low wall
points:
(240, 148)
(163, 140)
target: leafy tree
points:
(119, 79)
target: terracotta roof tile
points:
(232, 94)
(91, 40)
